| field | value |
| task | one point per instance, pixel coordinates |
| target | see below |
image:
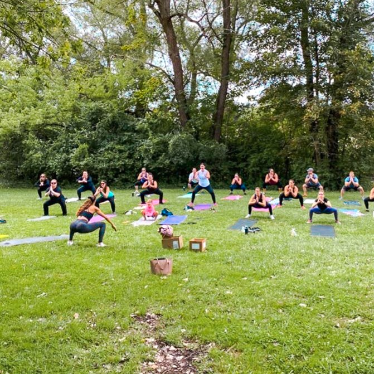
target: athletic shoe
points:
(367, 210)
(244, 193)
(338, 222)
(231, 192)
(305, 195)
(341, 198)
(70, 242)
(309, 221)
(363, 198)
(247, 216)
(302, 207)
(39, 198)
(272, 217)
(101, 244)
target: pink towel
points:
(232, 197)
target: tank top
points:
(203, 180)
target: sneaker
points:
(70, 242)
(101, 244)
(231, 192)
(272, 217)
(244, 193)
(215, 205)
(305, 195)
(341, 198)
(363, 198)
(247, 216)
(309, 221)
(39, 198)
(280, 206)
(367, 210)
(302, 207)
(338, 222)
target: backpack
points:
(166, 212)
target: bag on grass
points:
(166, 212)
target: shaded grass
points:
(269, 302)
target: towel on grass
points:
(232, 197)
(352, 202)
(352, 212)
(142, 222)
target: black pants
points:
(199, 188)
(101, 199)
(366, 202)
(50, 202)
(256, 205)
(84, 227)
(156, 191)
(41, 189)
(83, 188)
(298, 196)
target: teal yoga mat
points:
(242, 222)
(322, 230)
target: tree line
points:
(112, 86)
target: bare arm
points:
(100, 213)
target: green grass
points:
(266, 302)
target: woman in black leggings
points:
(82, 225)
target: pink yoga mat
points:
(232, 197)
(99, 218)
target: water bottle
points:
(246, 230)
(293, 232)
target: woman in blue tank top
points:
(105, 195)
(82, 223)
(203, 177)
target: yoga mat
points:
(42, 218)
(232, 197)
(352, 212)
(202, 206)
(99, 218)
(274, 202)
(352, 202)
(37, 239)
(173, 220)
(309, 201)
(71, 200)
(187, 195)
(143, 222)
(242, 222)
(322, 230)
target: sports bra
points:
(87, 214)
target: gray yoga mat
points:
(37, 239)
(242, 222)
(42, 218)
(322, 230)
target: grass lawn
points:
(259, 303)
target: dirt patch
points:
(169, 359)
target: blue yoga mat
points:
(242, 222)
(322, 230)
(352, 202)
(37, 239)
(173, 220)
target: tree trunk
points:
(163, 15)
(225, 70)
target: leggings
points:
(328, 210)
(101, 199)
(48, 203)
(237, 187)
(41, 189)
(298, 196)
(199, 188)
(278, 184)
(84, 227)
(268, 206)
(156, 191)
(83, 188)
(366, 202)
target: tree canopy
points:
(112, 86)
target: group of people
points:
(198, 180)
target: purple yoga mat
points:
(99, 218)
(202, 206)
(173, 220)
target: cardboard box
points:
(198, 244)
(174, 242)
